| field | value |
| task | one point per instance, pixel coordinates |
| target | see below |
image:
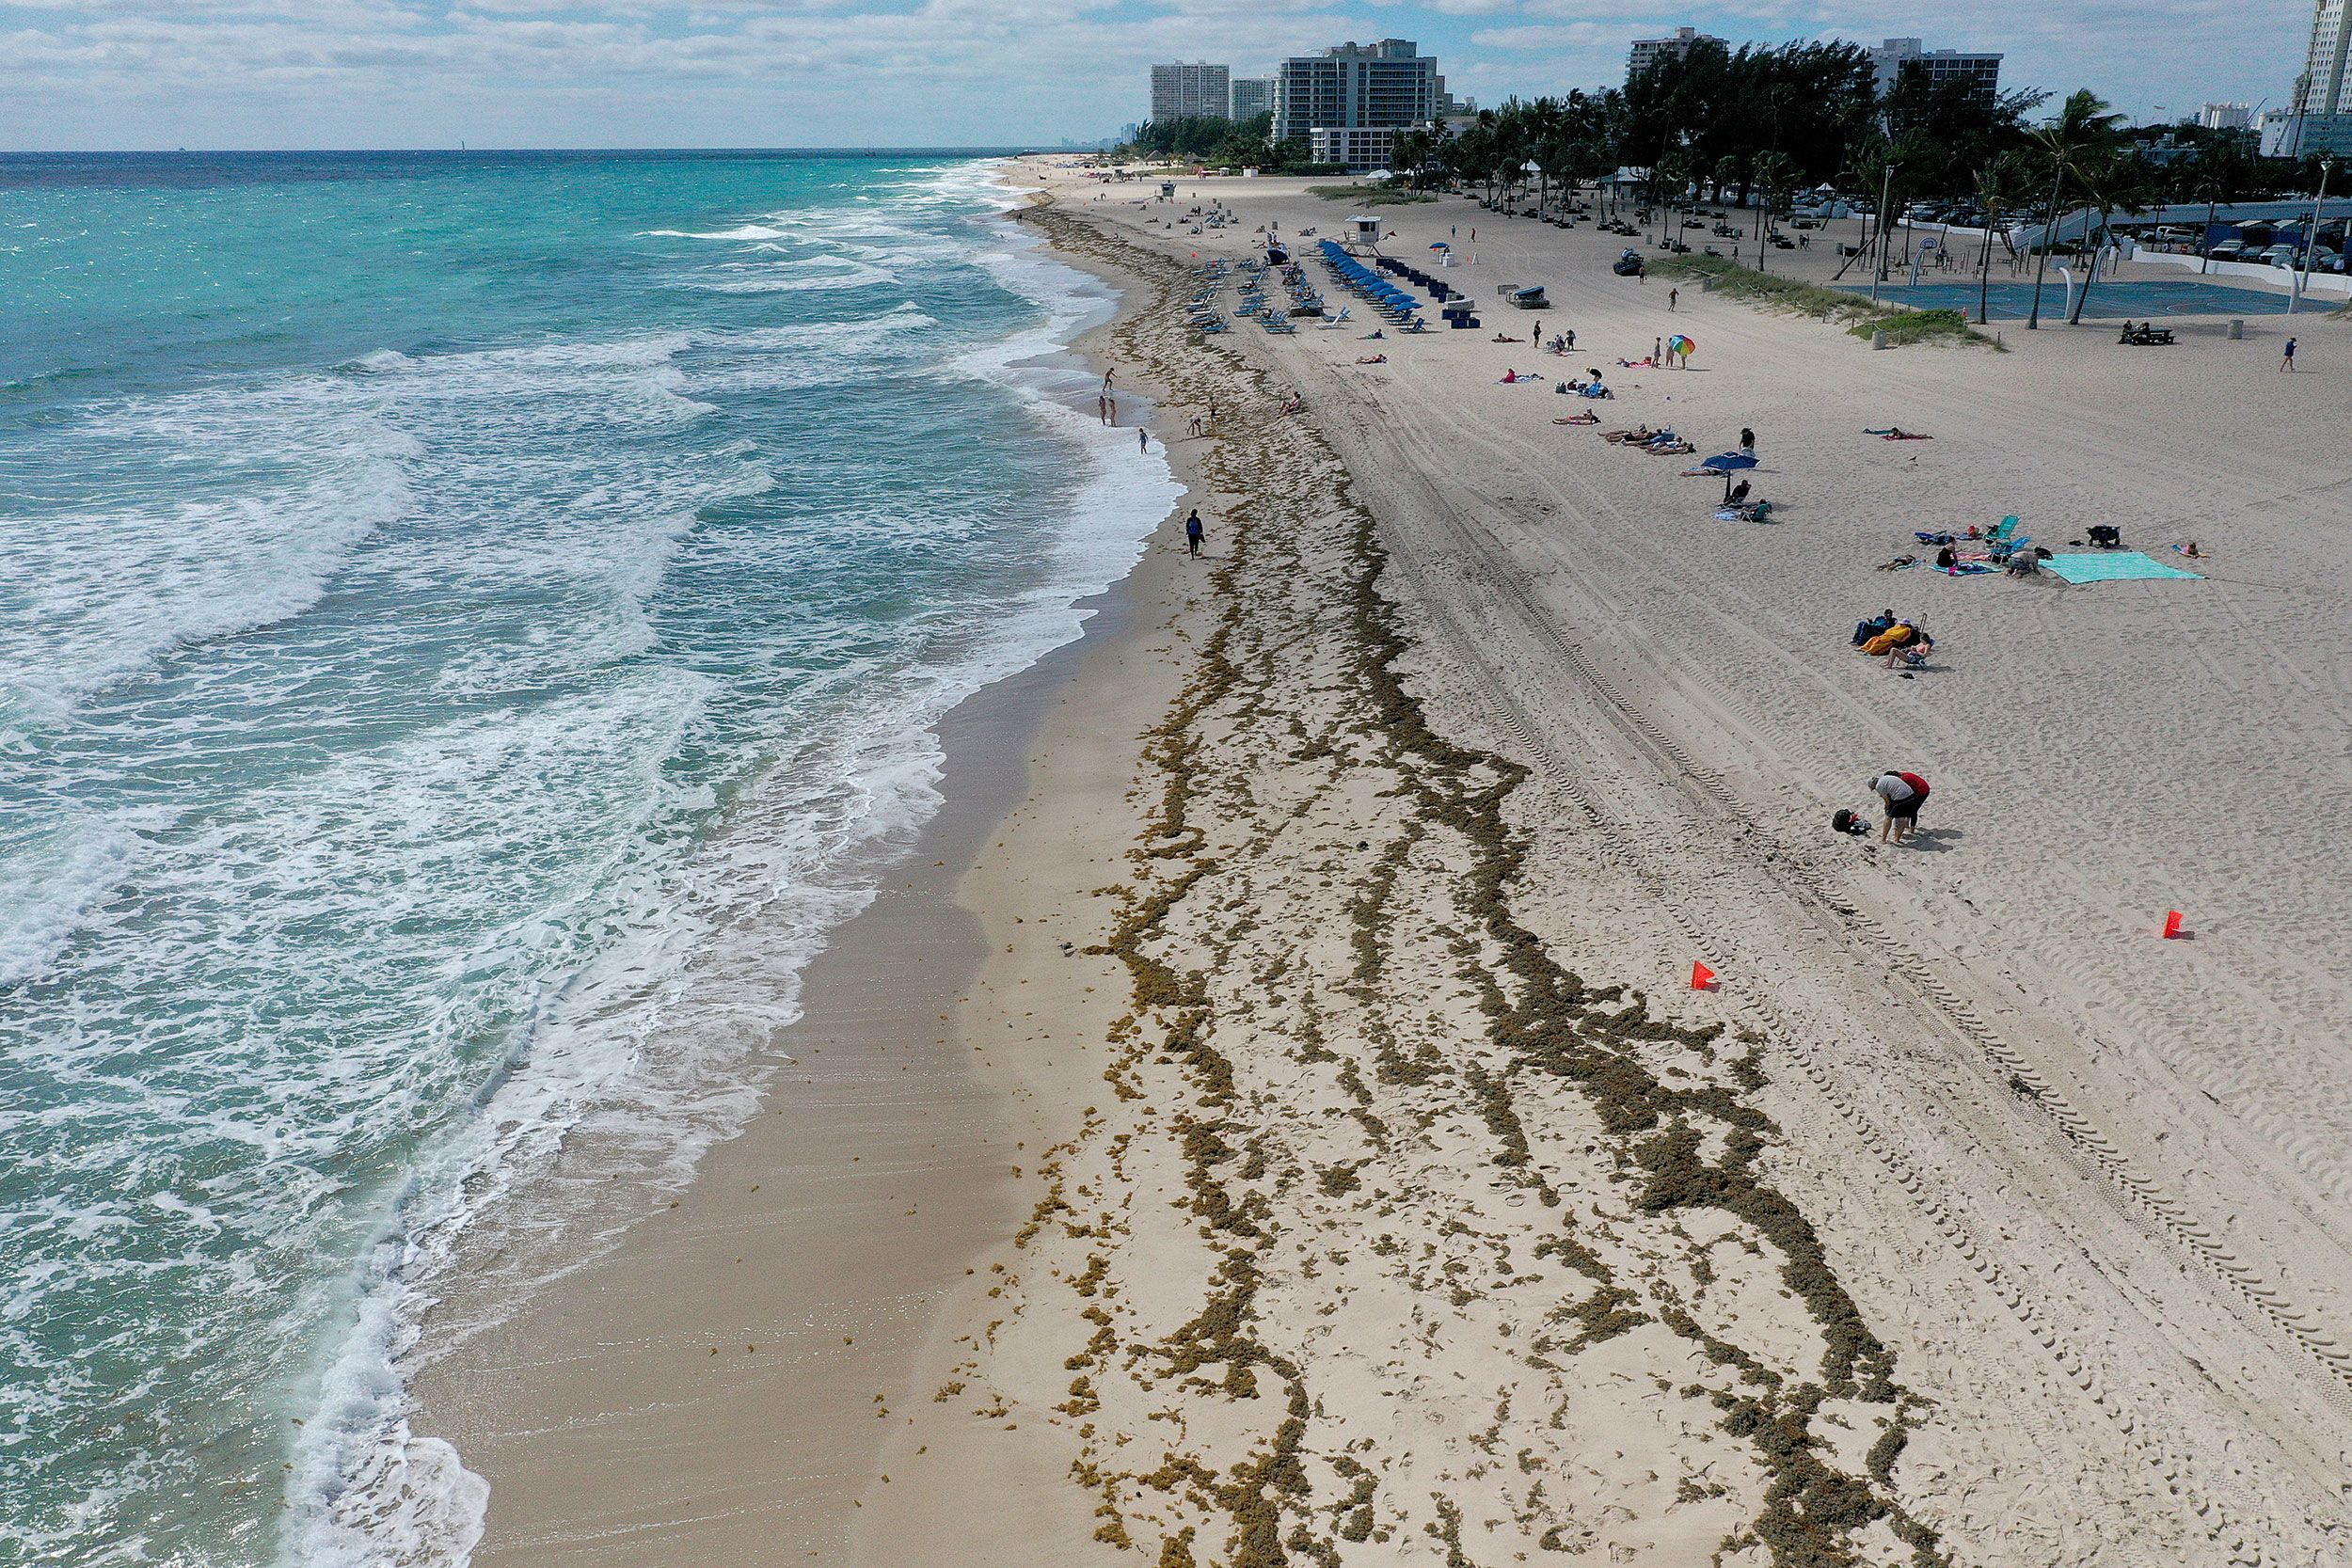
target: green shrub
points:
(1837, 306)
(1370, 196)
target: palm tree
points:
(1999, 184)
(2084, 127)
(2110, 182)
(2218, 175)
(1410, 154)
(1773, 175)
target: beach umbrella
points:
(1440, 244)
(1724, 461)
(1679, 344)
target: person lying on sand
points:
(1501, 338)
(1897, 433)
(1372, 360)
(1898, 563)
(1587, 417)
(2188, 548)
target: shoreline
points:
(866, 1128)
(1390, 1196)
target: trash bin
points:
(2237, 329)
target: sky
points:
(128, 74)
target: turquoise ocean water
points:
(466, 624)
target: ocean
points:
(470, 626)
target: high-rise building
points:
(1387, 86)
(1649, 52)
(2225, 117)
(1252, 95)
(2321, 121)
(1890, 60)
(2320, 89)
(1188, 91)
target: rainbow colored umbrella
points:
(1681, 345)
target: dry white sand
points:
(2090, 1185)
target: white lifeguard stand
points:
(1364, 232)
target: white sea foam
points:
(514, 849)
(742, 232)
(648, 1047)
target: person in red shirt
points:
(1904, 794)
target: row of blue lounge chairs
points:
(1394, 305)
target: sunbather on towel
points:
(1579, 419)
(1372, 360)
(1898, 563)
(1897, 433)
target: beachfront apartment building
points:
(1358, 147)
(2320, 117)
(1252, 95)
(1184, 90)
(2225, 117)
(1978, 66)
(2319, 90)
(1389, 86)
(1649, 52)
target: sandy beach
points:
(1270, 1121)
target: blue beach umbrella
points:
(1724, 461)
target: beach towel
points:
(2113, 566)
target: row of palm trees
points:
(1933, 142)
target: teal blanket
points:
(2113, 566)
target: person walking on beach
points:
(2287, 362)
(1143, 439)
(1196, 427)
(1672, 295)
(1109, 375)
(1656, 351)
(1193, 532)
(1904, 794)
(1747, 441)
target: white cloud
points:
(312, 72)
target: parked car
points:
(2280, 255)
(1804, 223)
(2227, 250)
